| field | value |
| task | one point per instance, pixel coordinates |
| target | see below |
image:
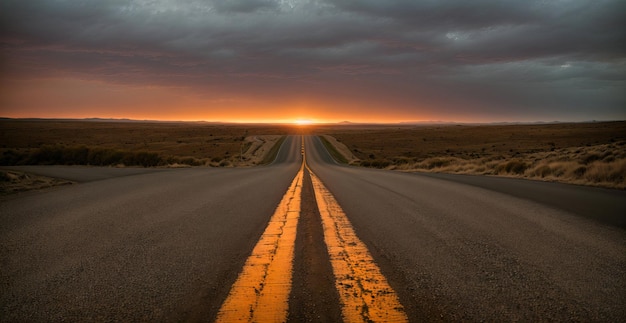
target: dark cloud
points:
(559, 59)
(246, 6)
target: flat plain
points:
(195, 144)
(592, 153)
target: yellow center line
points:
(363, 290)
(261, 292)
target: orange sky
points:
(72, 98)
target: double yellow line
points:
(261, 292)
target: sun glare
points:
(303, 122)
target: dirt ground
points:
(257, 147)
(14, 182)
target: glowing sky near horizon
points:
(314, 60)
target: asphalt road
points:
(167, 245)
(156, 246)
(488, 250)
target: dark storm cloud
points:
(546, 59)
(245, 5)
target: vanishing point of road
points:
(306, 239)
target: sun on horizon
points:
(303, 122)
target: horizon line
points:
(308, 123)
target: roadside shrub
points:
(580, 171)
(379, 163)
(437, 163)
(142, 158)
(12, 157)
(375, 163)
(80, 155)
(614, 172)
(590, 158)
(512, 167)
(561, 168)
(47, 155)
(105, 157)
(400, 161)
(188, 161)
(542, 171)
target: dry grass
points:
(569, 165)
(584, 153)
(14, 181)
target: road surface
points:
(168, 245)
(464, 252)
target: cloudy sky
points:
(324, 60)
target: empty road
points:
(463, 250)
(169, 245)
